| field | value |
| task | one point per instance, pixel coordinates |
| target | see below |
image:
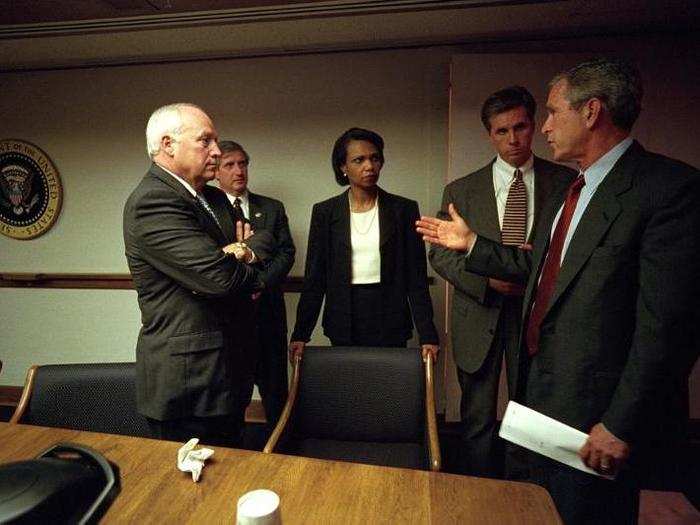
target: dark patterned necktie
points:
(514, 228)
(238, 214)
(205, 205)
(552, 263)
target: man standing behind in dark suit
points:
(502, 201)
(611, 297)
(264, 215)
(191, 373)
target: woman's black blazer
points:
(328, 272)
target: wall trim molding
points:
(109, 281)
(105, 281)
(9, 395)
(331, 8)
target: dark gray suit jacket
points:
(268, 215)
(189, 348)
(620, 336)
(475, 307)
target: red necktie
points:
(515, 215)
(552, 263)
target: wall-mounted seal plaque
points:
(30, 190)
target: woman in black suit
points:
(364, 256)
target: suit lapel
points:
(339, 236)
(224, 213)
(169, 180)
(539, 249)
(207, 221)
(340, 220)
(203, 216)
(484, 208)
(600, 213)
(387, 222)
(544, 184)
(256, 213)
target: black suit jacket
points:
(189, 348)
(329, 272)
(619, 338)
(475, 307)
(268, 215)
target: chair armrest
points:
(287, 411)
(430, 419)
(26, 395)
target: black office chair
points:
(367, 405)
(100, 397)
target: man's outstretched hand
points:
(454, 234)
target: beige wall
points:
(287, 111)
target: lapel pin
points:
(258, 214)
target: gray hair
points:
(616, 83)
(166, 120)
(229, 146)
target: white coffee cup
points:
(258, 507)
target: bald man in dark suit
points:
(192, 371)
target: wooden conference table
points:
(310, 490)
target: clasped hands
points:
(240, 249)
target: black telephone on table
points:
(68, 483)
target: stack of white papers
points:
(542, 434)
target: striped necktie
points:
(205, 205)
(514, 228)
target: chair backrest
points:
(99, 397)
(361, 394)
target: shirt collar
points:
(504, 171)
(597, 171)
(244, 198)
(180, 180)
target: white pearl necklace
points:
(353, 221)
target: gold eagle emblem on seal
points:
(30, 190)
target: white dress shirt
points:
(245, 202)
(594, 175)
(182, 181)
(364, 240)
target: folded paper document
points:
(542, 434)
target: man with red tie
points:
(609, 322)
(502, 201)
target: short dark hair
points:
(506, 99)
(339, 155)
(615, 82)
(229, 146)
